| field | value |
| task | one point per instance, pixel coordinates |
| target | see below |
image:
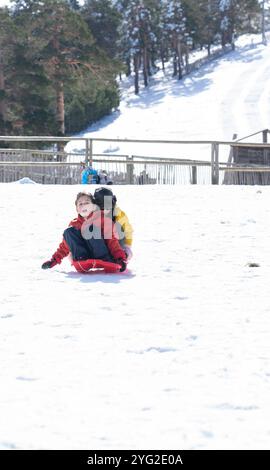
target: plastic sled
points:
(93, 265)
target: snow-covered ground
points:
(175, 352)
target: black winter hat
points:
(100, 194)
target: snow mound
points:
(25, 180)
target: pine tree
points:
(154, 33)
(236, 17)
(54, 43)
(193, 21)
(131, 37)
(163, 39)
(209, 23)
(143, 24)
(30, 94)
(175, 25)
(138, 37)
(24, 86)
(74, 4)
(103, 19)
(7, 30)
(55, 62)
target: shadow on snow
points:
(97, 276)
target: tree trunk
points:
(232, 40)
(174, 65)
(60, 115)
(223, 38)
(2, 90)
(136, 71)
(150, 64)
(145, 67)
(128, 73)
(162, 62)
(179, 59)
(187, 62)
(180, 74)
(60, 108)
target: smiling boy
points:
(88, 239)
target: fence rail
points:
(51, 166)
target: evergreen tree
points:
(131, 37)
(138, 37)
(236, 17)
(209, 23)
(55, 43)
(24, 87)
(175, 25)
(86, 102)
(60, 41)
(7, 30)
(30, 94)
(123, 43)
(103, 19)
(154, 33)
(74, 4)
(145, 40)
(193, 21)
(61, 59)
(163, 38)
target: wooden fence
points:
(51, 166)
(125, 170)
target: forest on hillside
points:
(60, 62)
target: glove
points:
(128, 252)
(123, 264)
(49, 264)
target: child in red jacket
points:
(90, 239)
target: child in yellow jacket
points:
(106, 200)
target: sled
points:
(96, 265)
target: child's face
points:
(85, 206)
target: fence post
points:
(214, 163)
(265, 150)
(193, 175)
(217, 163)
(130, 170)
(89, 152)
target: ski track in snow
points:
(249, 107)
(174, 354)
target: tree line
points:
(60, 61)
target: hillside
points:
(228, 95)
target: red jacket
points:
(104, 224)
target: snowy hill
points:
(226, 96)
(174, 353)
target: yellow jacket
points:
(124, 228)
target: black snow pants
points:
(82, 249)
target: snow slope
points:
(226, 96)
(173, 354)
